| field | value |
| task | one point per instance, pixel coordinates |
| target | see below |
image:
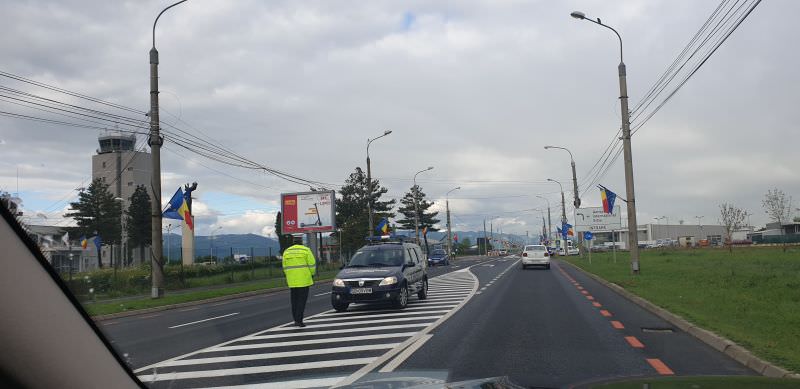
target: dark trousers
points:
(299, 297)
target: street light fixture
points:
(416, 201)
(633, 240)
(155, 141)
(449, 234)
(577, 200)
(369, 182)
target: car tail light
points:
(546, 254)
(524, 254)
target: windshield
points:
(383, 257)
(306, 193)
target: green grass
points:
(706, 383)
(751, 296)
(109, 308)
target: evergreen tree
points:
(138, 220)
(351, 209)
(97, 213)
(426, 219)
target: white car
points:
(573, 251)
(535, 255)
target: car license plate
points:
(360, 290)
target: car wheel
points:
(402, 298)
(340, 307)
(423, 293)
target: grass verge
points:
(109, 308)
(751, 296)
(705, 383)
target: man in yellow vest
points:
(299, 266)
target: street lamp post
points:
(169, 231)
(549, 221)
(449, 236)
(633, 239)
(369, 182)
(415, 192)
(563, 204)
(155, 141)
(577, 199)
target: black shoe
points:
(301, 324)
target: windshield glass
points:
(199, 173)
(382, 257)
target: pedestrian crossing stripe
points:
(333, 346)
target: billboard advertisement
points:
(594, 219)
(308, 212)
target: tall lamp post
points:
(577, 199)
(155, 141)
(633, 238)
(369, 182)
(563, 204)
(449, 234)
(416, 201)
(549, 221)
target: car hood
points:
(391, 381)
(368, 272)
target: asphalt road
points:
(558, 328)
(149, 338)
(484, 317)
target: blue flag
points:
(383, 226)
(98, 242)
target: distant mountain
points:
(224, 243)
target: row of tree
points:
(352, 217)
(98, 212)
(776, 203)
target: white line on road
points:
(200, 321)
(312, 341)
(294, 384)
(285, 354)
(389, 367)
(253, 370)
(322, 294)
(344, 318)
(328, 332)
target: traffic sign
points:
(588, 235)
(595, 219)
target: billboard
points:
(308, 212)
(594, 219)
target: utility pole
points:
(485, 243)
(415, 192)
(449, 233)
(155, 141)
(633, 230)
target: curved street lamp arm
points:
(159, 15)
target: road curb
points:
(719, 343)
(135, 312)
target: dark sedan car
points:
(438, 257)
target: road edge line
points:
(400, 358)
(715, 341)
(390, 354)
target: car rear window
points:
(534, 248)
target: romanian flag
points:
(570, 231)
(179, 209)
(383, 226)
(607, 197)
(84, 242)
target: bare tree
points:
(779, 208)
(732, 219)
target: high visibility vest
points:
(299, 266)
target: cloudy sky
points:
(473, 88)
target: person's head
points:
(297, 239)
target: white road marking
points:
(204, 320)
(253, 370)
(343, 319)
(360, 322)
(400, 358)
(294, 384)
(312, 341)
(285, 354)
(328, 332)
(322, 294)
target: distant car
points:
(438, 257)
(241, 258)
(503, 252)
(535, 255)
(573, 251)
